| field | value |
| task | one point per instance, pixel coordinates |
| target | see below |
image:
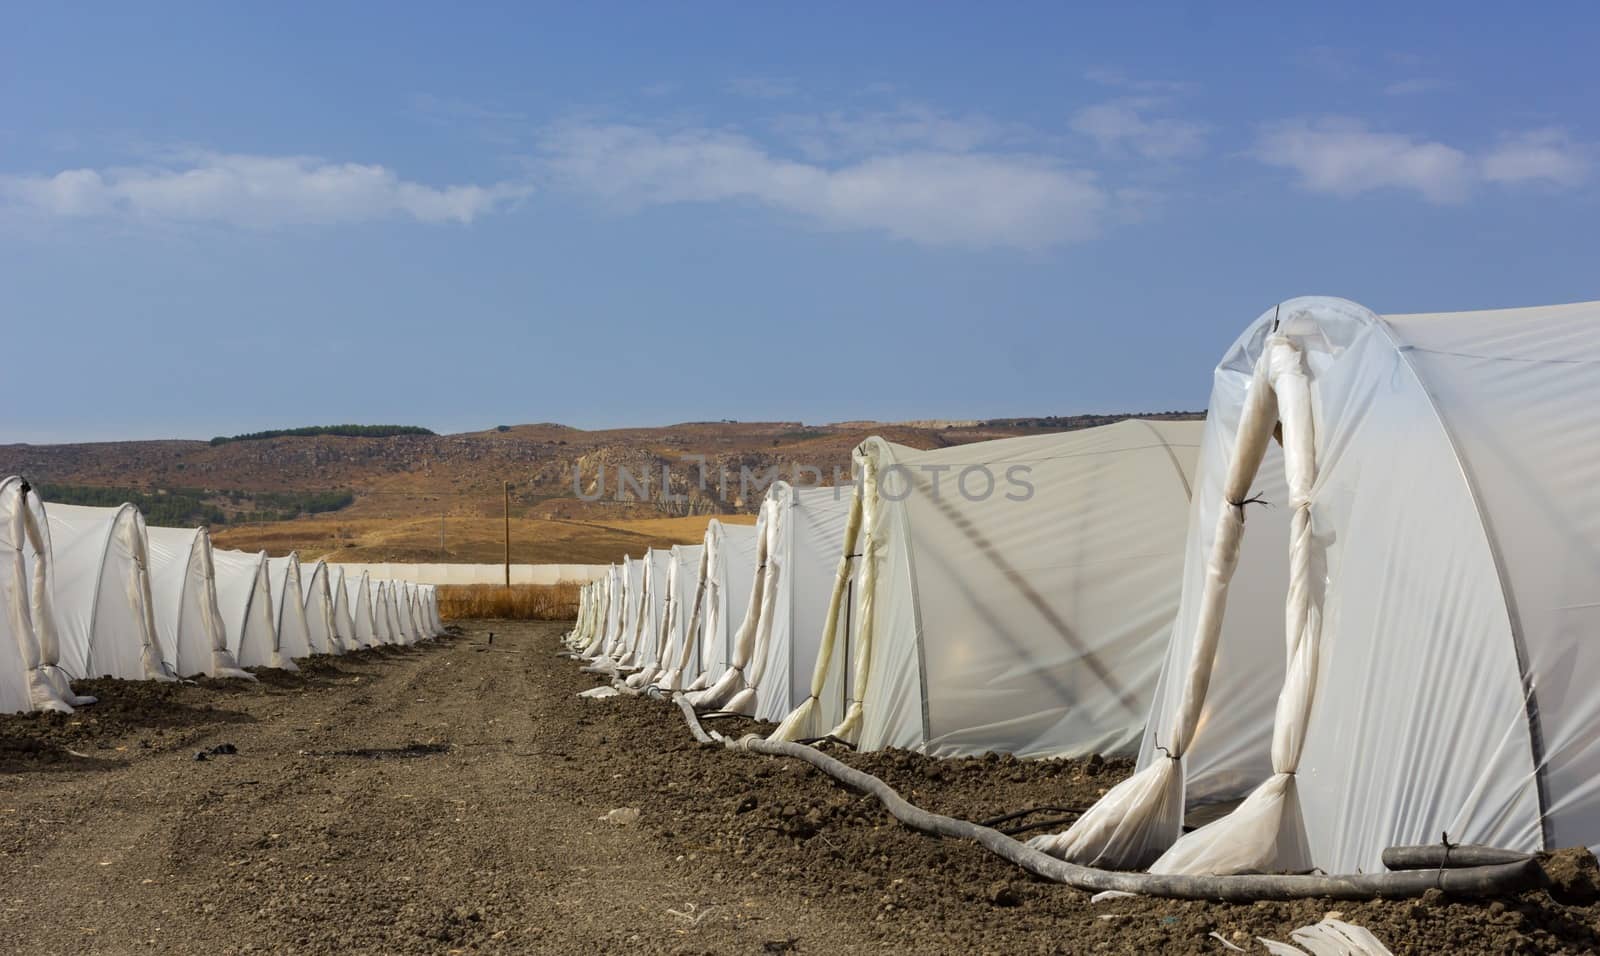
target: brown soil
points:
(449, 799)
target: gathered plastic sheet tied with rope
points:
(735, 680)
(1137, 823)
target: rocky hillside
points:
(555, 471)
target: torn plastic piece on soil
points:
(595, 693)
(622, 816)
(1331, 936)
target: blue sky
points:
(216, 218)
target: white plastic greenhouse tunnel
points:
(244, 595)
(408, 610)
(588, 639)
(294, 636)
(402, 609)
(414, 611)
(400, 620)
(585, 596)
(722, 596)
(586, 636)
(594, 603)
(630, 583)
(322, 630)
(633, 585)
(723, 683)
(363, 620)
(606, 614)
(189, 624)
(617, 603)
(30, 674)
(1014, 596)
(675, 641)
(1433, 549)
(641, 655)
(425, 610)
(634, 608)
(382, 621)
(775, 649)
(104, 609)
(661, 576)
(377, 591)
(432, 592)
(344, 627)
(391, 612)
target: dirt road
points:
(448, 799)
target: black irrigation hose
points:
(1447, 856)
(1038, 825)
(1492, 880)
(1008, 817)
(827, 739)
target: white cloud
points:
(838, 135)
(763, 87)
(1416, 86)
(1120, 80)
(1544, 155)
(444, 107)
(927, 196)
(1123, 125)
(1344, 157)
(250, 191)
(1334, 63)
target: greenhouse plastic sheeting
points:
(1456, 512)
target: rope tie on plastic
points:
(800, 720)
(1255, 499)
(1137, 821)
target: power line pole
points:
(508, 532)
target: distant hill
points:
(345, 431)
(355, 491)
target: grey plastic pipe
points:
(1473, 880)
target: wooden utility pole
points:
(508, 533)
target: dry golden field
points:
(525, 602)
(427, 498)
(468, 538)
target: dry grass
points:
(688, 530)
(535, 602)
(346, 537)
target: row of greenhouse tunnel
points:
(92, 592)
(1401, 651)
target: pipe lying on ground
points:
(700, 733)
(1443, 856)
(1488, 880)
